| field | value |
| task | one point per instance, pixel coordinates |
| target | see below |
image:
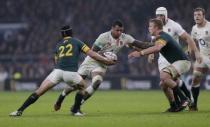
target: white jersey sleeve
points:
(178, 28)
(100, 41)
(129, 39)
(174, 29)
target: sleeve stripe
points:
(85, 48)
(160, 42)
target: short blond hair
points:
(158, 23)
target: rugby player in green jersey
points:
(173, 53)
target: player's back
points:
(172, 50)
(175, 30)
(68, 51)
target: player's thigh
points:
(72, 78)
(162, 63)
(55, 76)
(82, 85)
(164, 75)
(98, 71)
(198, 71)
(51, 80)
(97, 76)
(181, 67)
(175, 69)
(200, 68)
(85, 70)
(205, 64)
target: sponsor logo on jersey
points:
(169, 30)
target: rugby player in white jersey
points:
(176, 31)
(201, 34)
(111, 41)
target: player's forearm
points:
(191, 45)
(140, 44)
(151, 50)
(96, 48)
(97, 57)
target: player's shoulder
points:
(173, 23)
(59, 42)
(105, 34)
(125, 36)
(75, 40)
(207, 24)
(164, 36)
(194, 27)
(170, 21)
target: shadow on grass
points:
(109, 114)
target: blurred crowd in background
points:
(29, 30)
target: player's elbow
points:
(91, 53)
(186, 38)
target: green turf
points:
(105, 109)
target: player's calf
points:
(31, 99)
(62, 96)
(197, 76)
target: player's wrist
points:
(141, 53)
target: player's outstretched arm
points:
(147, 51)
(140, 44)
(159, 44)
(192, 46)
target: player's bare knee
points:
(163, 80)
(96, 81)
(68, 90)
(80, 86)
(96, 84)
(45, 86)
(161, 85)
(165, 89)
(163, 75)
(197, 76)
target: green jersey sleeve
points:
(83, 47)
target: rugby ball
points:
(110, 55)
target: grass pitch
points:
(104, 109)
